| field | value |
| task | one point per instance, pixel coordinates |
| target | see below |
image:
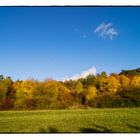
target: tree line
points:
(102, 90)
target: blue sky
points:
(59, 42)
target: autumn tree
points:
(91, 93)
(110, 84)
(53, 94)
(116, 90)
(6, 93)
(79, 87)
(79, 93)
(124, 81)
(135, 82)
(23, 92)
(16, 85)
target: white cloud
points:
(106, 30)
(83, 74)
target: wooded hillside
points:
(115, 90)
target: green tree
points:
(90, 80)
(103, 74)
(1, 77)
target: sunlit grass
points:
(82, 120)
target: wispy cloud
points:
(83, 74)
(106, 30)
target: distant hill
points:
(132, 72)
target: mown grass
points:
(71, 121)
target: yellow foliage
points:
(27, 87)
(16, 85)
(54, 88)
(110, 84)
(136, 82)
(91, 93)
(125, 81)
(79, 87)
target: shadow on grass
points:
(95, 129)
(136, 128)
(49, 130)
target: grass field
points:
(75, 121)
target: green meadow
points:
(71, 121)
